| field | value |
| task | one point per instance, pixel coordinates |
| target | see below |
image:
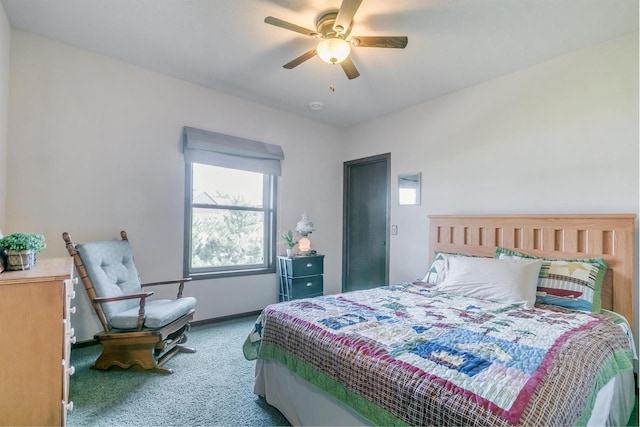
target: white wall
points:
(5, 44)
(559, 137)
(95, 148)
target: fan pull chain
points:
(332, 88)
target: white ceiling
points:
(225, 44)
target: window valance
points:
(217, 149)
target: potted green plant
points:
(21, 249)
(289, 240)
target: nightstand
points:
(300, 276)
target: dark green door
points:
(365, 232)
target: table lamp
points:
(304, 228)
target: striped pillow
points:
(570, 283)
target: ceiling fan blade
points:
(374, 41)
(349, 68)
(289, 26)
(345, 15)
(300, 59)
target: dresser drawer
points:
(306, 287)
(304, 266)
(300, 277)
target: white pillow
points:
(435, 273)
(501, 280)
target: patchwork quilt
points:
(409, 354)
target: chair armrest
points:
(141, 296)
(180, 288)
(168, 282)
(123, 297)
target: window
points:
(230, 214)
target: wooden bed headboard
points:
(608, 236)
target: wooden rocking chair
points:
(138, 332)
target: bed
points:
(438, 352)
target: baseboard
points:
(81, 344)
(194, 323)
(225, 318)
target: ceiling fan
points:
(334, 30)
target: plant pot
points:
(20, 260)
(289, 252)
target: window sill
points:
(218, 275)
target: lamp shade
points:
(304, 226)
(333, 50)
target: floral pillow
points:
(570, 283)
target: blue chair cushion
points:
(158, 313)
(109, 265)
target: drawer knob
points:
(70, 332)
(72, 310)
(72, 340)
(75, 282)
(309, 265)
(68, 406)
(71, 370)
(309, 284)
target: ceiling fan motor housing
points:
(325, 25)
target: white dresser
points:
(35, 343)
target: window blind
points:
(217, 149)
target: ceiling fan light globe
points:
(333, 50)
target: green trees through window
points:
(224, 237)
